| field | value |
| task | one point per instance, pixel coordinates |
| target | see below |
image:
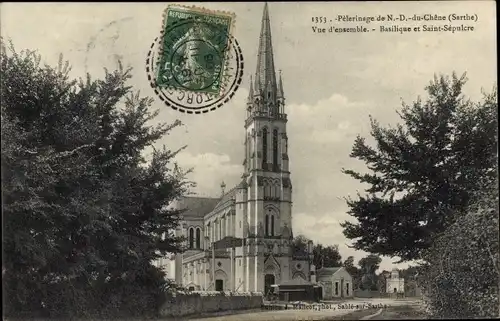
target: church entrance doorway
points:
(219, 285)
(269, 280)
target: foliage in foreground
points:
(422, 173)
(84, 212)
(462, 275)
(433, 196)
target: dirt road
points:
(326, 311)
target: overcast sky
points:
(332, 83)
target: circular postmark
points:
(194, 67)
(190, 75)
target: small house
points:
(336, 283)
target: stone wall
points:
(183, 304)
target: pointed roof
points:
(197, 207)
(225, 198)
(327, 271)
(265, 72)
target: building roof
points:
(328, 271)
(265, 73)
(197, 206)
(228, 242)
(225, 198)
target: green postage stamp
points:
(194, 51)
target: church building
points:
(242, 241)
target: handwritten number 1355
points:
(319, 19)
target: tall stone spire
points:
(265, 75)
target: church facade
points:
(242, 241)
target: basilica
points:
(242, 241)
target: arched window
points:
(191, 238)
(198, 238)
(267, 225)
(272, 225)
(267, 190)
(275, 149)
(264, 148)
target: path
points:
(324, 312)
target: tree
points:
(409, 273)
(461, 275)
(422, 172)
(353, 271)
(326, 256)
(382, 281)
(85, 213)
(323, 256)
(299, 244)
(369, 265)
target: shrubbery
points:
(84, 213)
(461, 276)
(432, 196)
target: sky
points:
(332, 83)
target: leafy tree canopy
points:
(462, 275)
(423, 172)
(369, 265)
(353, 270)
(327, 256)
(323, 256)
(84, 212)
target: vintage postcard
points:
(250, 160)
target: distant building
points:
(395, 284)
(336, 283)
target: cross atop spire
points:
(265, 75)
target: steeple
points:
(265, 76)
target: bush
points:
(461, 276)
(84, 212)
